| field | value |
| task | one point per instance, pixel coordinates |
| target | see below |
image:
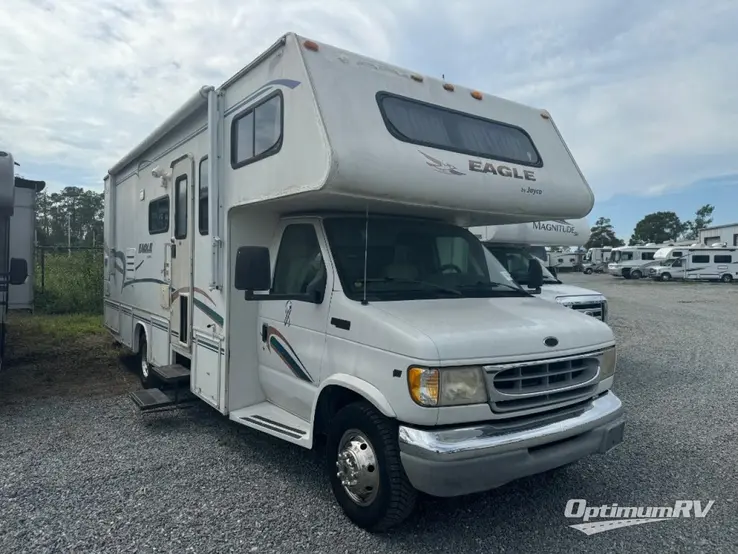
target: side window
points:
(677, 263)
(159, 215)
(647, 255)
(299, 268)
(180, 207)
(700, 259)
(202, 204)
(257, 132)
(723, 259)
(677, 254)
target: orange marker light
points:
(448, 86)
(476, 94)
(310, 45)
(418, 78)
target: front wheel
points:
(588, 271)
(727, 278)
(147, 376)
(366, 474)
(636, 274)
(666, 277)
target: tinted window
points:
(700, 259)
(299, 268)
(159, 215)
(202, 208)
(723, 259)
(180, 207)
(257, 132)
(425, 124)
(647, 255)
(677, 254)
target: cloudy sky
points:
(645, 92)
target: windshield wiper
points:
(493, 284)
(441, 288)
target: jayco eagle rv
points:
(514, 247)
(697, 263)
(291, 246)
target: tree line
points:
(71, 216)
(658, 227)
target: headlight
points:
(608, 360)
(456, 386)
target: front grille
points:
(538, 384)
(595, 309)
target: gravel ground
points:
(87, 473)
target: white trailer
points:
(697, 263)
(514, 246)
(291, 247)
(16, 241)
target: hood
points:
(498, 328)
(556, 291)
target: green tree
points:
(73, 214)
(702, 219)
(657, 227)
(603, 234)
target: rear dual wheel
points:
(366, 474)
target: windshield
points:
(516, 260)
(620, 256)
(588, 256)
(412, 259)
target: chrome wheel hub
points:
(357, 467)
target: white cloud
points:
(644, 92)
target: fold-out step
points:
(172, 374)
(151, 399)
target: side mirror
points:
(253, 269)
(535, 275)
(18, 271)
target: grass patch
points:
(62, 355)
(71, 284)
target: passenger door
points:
(293, 331)
(181, 254)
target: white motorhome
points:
(697, 263)
(291, 246)
(632, 262)
(17, 224)
(514, 246)
(595, 260)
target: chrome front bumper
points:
(463, 460)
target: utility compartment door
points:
(181, 255)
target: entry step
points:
(173, 373)
(151, 399)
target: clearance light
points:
(545, 115)
(310, 45)
(418, 78)
(476, 94)
(448, 86)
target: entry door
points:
(293, 331)
(181, 255)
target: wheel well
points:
(332, 399)
(140, 331)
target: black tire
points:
(636, 274)
(726, 278)
(588, 271)
(144, 367)
(394, 497)
(666, 276)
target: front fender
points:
(359, 386)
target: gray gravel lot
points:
(93, 475)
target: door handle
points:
(263, 332)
